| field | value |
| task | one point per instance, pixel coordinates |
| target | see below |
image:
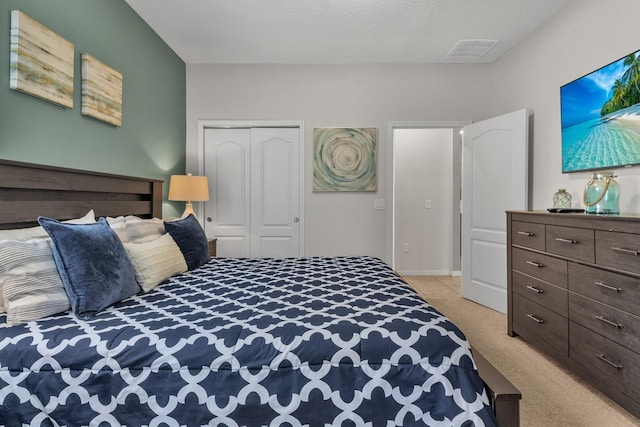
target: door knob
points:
(296, 219)
(209, 219)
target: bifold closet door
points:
(227, 164)
(275, 192)
(254, 176)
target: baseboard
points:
(456, 274)
(424, 272)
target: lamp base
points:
(188, 210)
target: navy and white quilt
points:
(317, 341)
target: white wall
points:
(337, 96)
(583, 36)
(422, 171)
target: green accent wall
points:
(150, 142)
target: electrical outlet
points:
(405, 247)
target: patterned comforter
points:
(249, 342)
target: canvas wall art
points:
(344, 159)
(101, 91)
(41, 61)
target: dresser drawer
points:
(612, 363)
(540, 266)
(615, 324)
(531, 319)
(618, 250)
(617, 290)
(527, 234)
(543, 293)
(577, 243)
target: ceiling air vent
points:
(471, 48)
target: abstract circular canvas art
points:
(344, 159)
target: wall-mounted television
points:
(601, 117)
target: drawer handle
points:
(536, 290)
(607, 361)
(527, 233)
(573, 242)
(604, 285)
(625, 251)
(609, 322)
(531, 316)
(535, 264)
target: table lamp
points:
(188, 188)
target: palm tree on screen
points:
(619, 90)
(632, 74)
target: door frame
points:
(248, 124)
(391, 126)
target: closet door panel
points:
(227, 214)
(275, 192)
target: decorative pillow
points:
(119, 225)
(30, 283)
(36, 232)
(93, 264)
(156, 260)
(143, 230)
(191, 240)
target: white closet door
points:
(254, 180)
(227, 213)
(275, 192)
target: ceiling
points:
(340, 31)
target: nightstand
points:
(212, 247)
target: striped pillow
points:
(143, 230)
(29, 280)
(155, 261)
(119, 225)
(37, 232)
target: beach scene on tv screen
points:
(601, 117)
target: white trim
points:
(231, 124)
(390, 172)
(424, 272)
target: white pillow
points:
(143, 230)
(155, 260)
(38, 232)
(29, 279)
(119, 225)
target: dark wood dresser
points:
(573, 289)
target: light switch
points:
(427, 204)
(378, 204)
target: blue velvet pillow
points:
(191, 240)
(93, 264)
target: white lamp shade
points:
(189, 188)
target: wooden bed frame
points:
(30, 190)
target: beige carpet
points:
(551, 396)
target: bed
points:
(311, 341)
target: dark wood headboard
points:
(30, 190)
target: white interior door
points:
(256, 203)
(494, 179)
(227, 164)
(275, 188)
